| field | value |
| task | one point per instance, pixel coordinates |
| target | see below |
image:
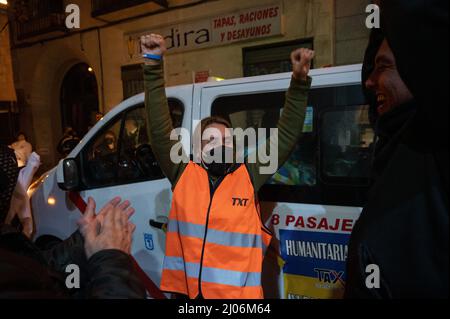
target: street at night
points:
(201, 150)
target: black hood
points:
(9, 172)
(417, 32)
(376, 39)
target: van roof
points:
(140, 98)
(287, 75)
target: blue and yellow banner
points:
(314, 264)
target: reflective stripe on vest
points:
(216, 236)
(215, 246)
(214, 275)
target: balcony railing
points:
(51, 23)
(101, 7)
(36, 17)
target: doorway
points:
(79, 99)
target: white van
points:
(311, 204)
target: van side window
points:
(264, 111)
(346, 143)
(331, 162)
(136, 161)
(301, 168)
(121, 153)
(250, 111)
(100, 157)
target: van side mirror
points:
(71, 174)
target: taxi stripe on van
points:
(148, 283)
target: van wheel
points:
(46, 242)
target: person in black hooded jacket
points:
(100, 248)
(403, 228)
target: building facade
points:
(63, 77)
(8, 97)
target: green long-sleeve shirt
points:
(290, 126)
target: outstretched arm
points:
(159, 121)
(290, 125)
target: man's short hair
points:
(213, 120)
(201, 127)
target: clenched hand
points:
(153, 44)
(301, 63)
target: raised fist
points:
(153, 44)
(301, 63)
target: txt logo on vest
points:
(240, 202)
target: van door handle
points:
(155, 224)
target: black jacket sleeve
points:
(70, 251)
(113, 276)
(107, 274)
